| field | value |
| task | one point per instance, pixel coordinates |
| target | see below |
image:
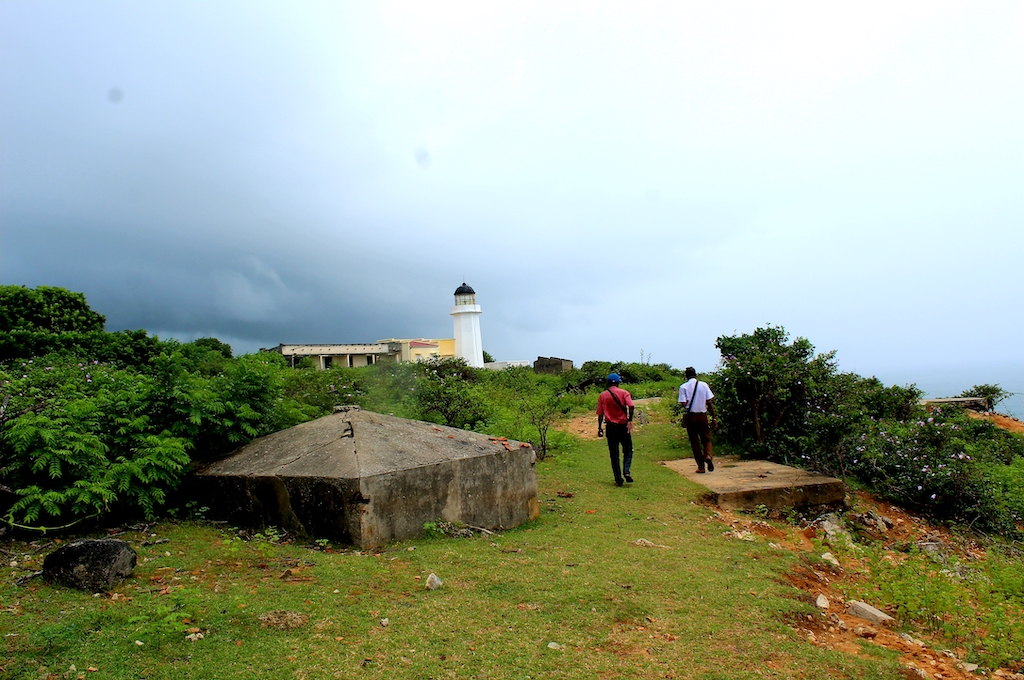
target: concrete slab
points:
(745, 484)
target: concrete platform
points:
(746, 484)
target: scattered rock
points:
(830, 558)
(90, 564)
(917, 671)
(835, 534)
(866, 632)
(283, 620)
(822, 601)
(644, 543)
(912, 640)
(874, 521)
(969, 667)
(385, 623)
(866, 611)
(433, 582)
(554, 645)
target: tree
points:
(447, 392)
(763, 387)
(992, 393)
(542, 408)
(488, 359)
(48, 309)
(35, 322)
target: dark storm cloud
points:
(186, 200)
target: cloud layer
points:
(609, 178)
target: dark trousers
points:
(619, 434)
(700, 437)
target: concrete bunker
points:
(366, 479)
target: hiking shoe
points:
(618, 482)
(629, 479)
(711, 465)
(700, 471)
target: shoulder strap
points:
(617, 402)
(693, 397)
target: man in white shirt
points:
(696, 397)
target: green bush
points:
(78, 440)
(779, 400)
(631, 373)
(1006, 487)
(84, 438)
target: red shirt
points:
(607, 407)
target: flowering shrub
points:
(780, 401)
(942, 463)
(920, 463)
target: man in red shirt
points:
(615, 408)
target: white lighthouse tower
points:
(467, 326)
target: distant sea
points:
(951, 382)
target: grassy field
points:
(568, 595)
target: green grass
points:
(704, 606)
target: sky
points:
(616, 181)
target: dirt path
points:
(585, 426)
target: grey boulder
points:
(90, 564)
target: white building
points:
(332, 355)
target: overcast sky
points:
(611, 178)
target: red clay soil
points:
(1006, 422)
(836, 629)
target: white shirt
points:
(700, 400)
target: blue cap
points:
(614, 377)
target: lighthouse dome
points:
(465, 290)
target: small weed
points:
(196, 511)
(441, 529)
